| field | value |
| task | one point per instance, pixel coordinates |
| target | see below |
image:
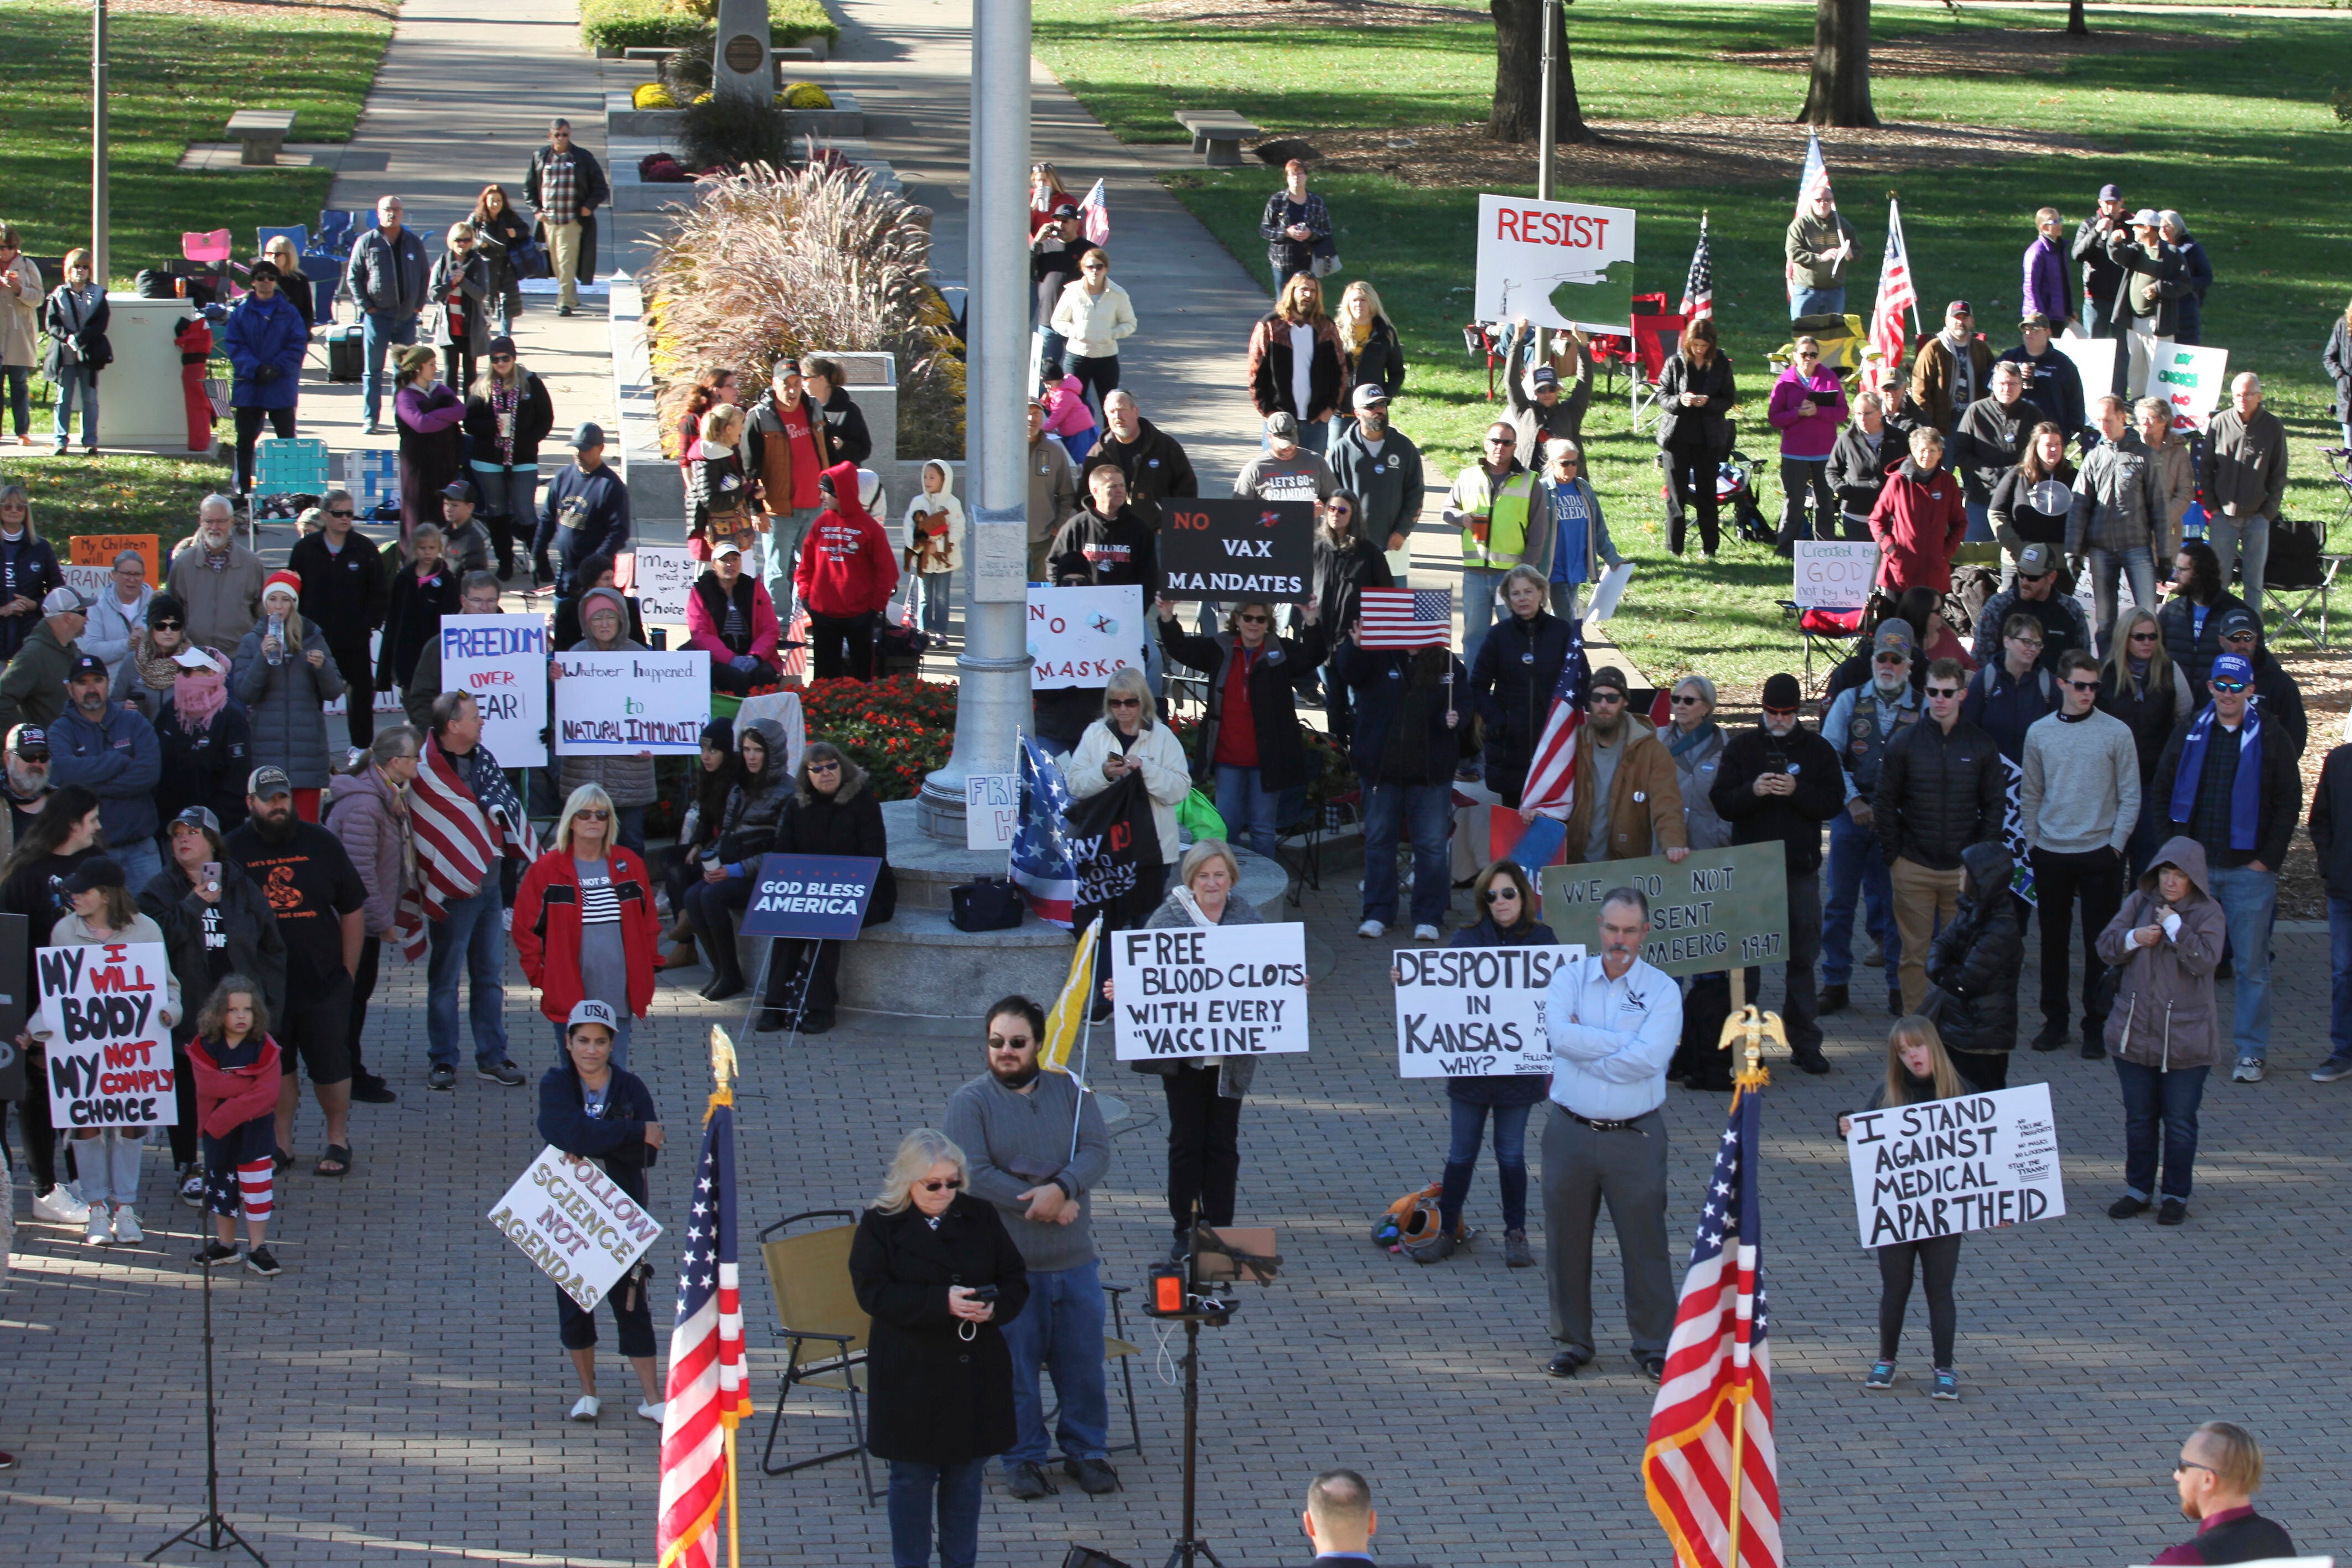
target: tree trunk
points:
(2074, 22)
(1519, 75)
(1840, 94)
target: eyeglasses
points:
(951, 1185)
(2193, 1464)
(2082, 686)
(1125, 702)
(2221, 685)
(1496, 895)
(2026, 642)
(825, 767)
(1338, 511)
(1502, 441)
(1691, 701)
(1943, 691)
(1807, 354)
(1892, 659)
(592, 814)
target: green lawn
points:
(2237, 155)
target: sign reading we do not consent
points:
(1943, 1167)
(1717, 909)
(574, 1222)
(619, 705)
(1232, 990)
(1474, 1012)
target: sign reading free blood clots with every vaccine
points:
(1559, 264)
(1078, 637)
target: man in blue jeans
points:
(1861, 723)
(1036, 1148)
(389, 277)
(1412, 708)
(472, 936)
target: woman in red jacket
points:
(848, 572)
(585, 921)
(1919, 520)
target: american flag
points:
(707, 1393)
(1718, 1358)
(1406, 618)
(1896, 294)
(461, 832)
(796, 646)
(1699, 289)
(1552, 774)
(1096, 211)
(1815, 177)
(1040, 863)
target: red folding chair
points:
(1611, 352)
(1654, 338)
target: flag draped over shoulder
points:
(707, 1392)
(461, 832)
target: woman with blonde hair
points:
(75, 320)
(460, 297)
(1368, 340)
(584, 925)
(718, 494)
(285, 677)
(2141, 685)
(1092, 316)
(292, 282)
(1129, 739)
(1298, 364)
(508, 414)
(502, 237)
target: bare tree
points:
(1840, 94)
(2074, 22)
(1519, 75)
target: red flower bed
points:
(898, 730)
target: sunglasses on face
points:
(1017, 1042)
(1257, 621)
(1692, 700)
(1892, 659)
(825, 767)
(1502, 441)
(1943, 691)
(1498, 894)
(951, 1185)
(1611, 698)
(2143, 637)
(164, 626)
(502, 359)
(340, 512)
(2221, 686)
(1808, 354)
(592, 814)
(2084, 685)
(1126, 702)
(1338, 511)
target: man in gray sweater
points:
(2078, 807)
(1014, 1123)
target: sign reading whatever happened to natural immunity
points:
(1233, 990)
(623, 705)
(1554, 263)
(1719, 909)
(1943, 1167)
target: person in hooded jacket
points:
(704, 806)
(845, 577)
(1973, 964)
(831, 809)
(747, 829)
(285, 682)
(629, 780)
(934, 547)
(2164, 1030)
(266, 340)
(1512, 680)
(1249, 751)
(730, 617)
(205, 742)
(1920, 519)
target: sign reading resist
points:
(109, 1053)
(1944, 1166)
(1229, 547)
(1474, 1012)
(1718, 908)
(569, 1218)
(1832, 574)
(1228, 991)
(623, 705)
(502, 661)
(814, 896)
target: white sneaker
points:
(653, 1413)
(2248, 1071)
(1371, 928)
(1424, 934)
(126, 1227)
(587, 1407)
(101, 1227)
(59, 1207)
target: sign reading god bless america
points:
(811, 896)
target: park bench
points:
(1217, 134)
(263, 132)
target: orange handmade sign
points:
(100, 550)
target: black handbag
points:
(989, 905)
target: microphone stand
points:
(215, 1526)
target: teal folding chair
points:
(285, 466)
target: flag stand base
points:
(220, 1534)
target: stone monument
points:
(742, 65)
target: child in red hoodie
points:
(237, 1071)
(847, 574)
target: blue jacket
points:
(265, 333)
(618, 1138)
(597, 525)
(121, 762)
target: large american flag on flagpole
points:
(1698, 288)
(1896, 293)
(1552, 774)
(1406, 618)
(706, 1391)
(1718, 1356)
(1816, 175)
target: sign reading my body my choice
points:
(1228, 547)
(814, 896)
(502, 661)
(1554, 263)
(625, 705)
(1944, 1166)
(1719, 909)
(1227, 990)
(110, 1051)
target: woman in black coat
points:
(1248, 773)
(832, 811)
(1346, 563)
(1696, 391)
(1972, 970)
(1517, 670)
(935, 1271)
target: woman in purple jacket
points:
(429, 415)
(1808, 408)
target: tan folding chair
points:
(824, 1329)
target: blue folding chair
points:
(285, 466)
(297, 233)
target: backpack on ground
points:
(1412, 1219)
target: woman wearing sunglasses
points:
(1249, 748)
(1346, 563)
(831, 810)
(1808, 408)
(585, 922)
(935, 1270)
(1129, 738)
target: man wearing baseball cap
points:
(2033, 591)
(586, 513)
(1380, 466)
(787, 446)
(23, 782)
(1951, 370)
(2101, 274)
(1863, 723)
(2052, 385)
(465, 543)
(1547, 403)
(2147, 302)
(108, 748)
(1285, 471)
(1053, 252)
(2280, 697)
(33, 688)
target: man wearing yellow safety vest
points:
(1490, 502)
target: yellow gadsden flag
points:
(1068, 1018)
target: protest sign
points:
(1078, 637)
(999, 547)
(574, 1222)
(1834, 574)
(90, 560)
(660, 576)
(1230, 547)
(110, 1050)
(1474, 1012)
(1227, 990)
(1944, 1166)
(1608, 593)
(2094, 361)
(992, 808)
(1554, 263)
(502, 661)
(1719, 909)
(817, 897)
(2190, 378)
(623, 705)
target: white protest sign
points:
(1832, 574)
(1226, 990)
(2095, 360)
(2190, 378)
(110, 1050)
(623, 705)
(1943, 1167)
(1474, 1012)
(1078, 637)
(992, 805)
(664, 576)
(575, 1223)
(1610, 593)
(502, 661)
(1554, 263)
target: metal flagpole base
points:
(218, 1527)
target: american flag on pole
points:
(796, 646)
(1896, 293)
(707, 1393)
(1816, 176)
(1406, 618)
(1550, 787)
(1719, 1373)
(460, 832)
(1040, 861)
(1698, 288)
(1096, 211)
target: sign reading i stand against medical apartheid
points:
(822, 897)
(1719, 909)
(1230, 547)
(1474, 1012)
(502, 661)
(1834, 574)
(1080, 636)
(1556, 263)
(1943, 1167)
(625, 705)
(110, 1050)
(574, 1222)
(1225, 990)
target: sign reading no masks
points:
(1229, 547)
(1227, 990)
(1554, 263)
(502, 661)
(1720, 909)
(1474, 1012)
(1834, 574)
(1078, 637)
(814, 896)
(575, 1223)
(110, 1050)
(623, 705)
(1943, 1167)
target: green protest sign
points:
(1720, 909)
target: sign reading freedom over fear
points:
(1227, 990)
(1554, 263)
(1230, 546)
(1078, 637)
(110, 1051)
(575, 1223)
(1943, 1167)
(502, 661)
(1720, 909)
(816, 896)
(1474, 1012)
(621, 705)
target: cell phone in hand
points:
(210, 873)
(983, 1293)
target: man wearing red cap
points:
(1952, 370)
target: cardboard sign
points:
(817, 897)
(110, 1050)
(992, 808)
(89, 570)
(1554, 263)
(1230, 547)
(1720, 909)
(1078, 637)
(575, 1223)
(1835, 575)
(1609, 593)
(2190, 378)
(1227, 990)
(625, 705)
(1474, 1012)
(502, 661)
(1943, 1167)
(661, 576)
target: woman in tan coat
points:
(20, 329)
(2171, 471)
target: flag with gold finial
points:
(1072, 1007)
(709, 1392)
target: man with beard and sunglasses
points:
(26, 784)
(1036, 1148)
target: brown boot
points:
(681, 930)
(681, 957)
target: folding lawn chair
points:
(2339, 464)
(1824, 630)
(297, 233)
(824, 1330)
(2300, 577)
(285, 466)
(1612, 353)
(1654, 338)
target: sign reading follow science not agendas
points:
(574, 1222)
(1556, 263)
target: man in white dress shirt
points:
(1615, 1023)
